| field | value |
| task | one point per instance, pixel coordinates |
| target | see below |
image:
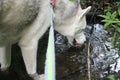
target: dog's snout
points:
(75, 43)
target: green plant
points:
(117, 4)
(111, 77)
(111, 21)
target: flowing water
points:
(104, 58)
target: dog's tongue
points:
(77, 44)
(53, 2)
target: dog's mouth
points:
(75, 43)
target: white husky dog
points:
(25, 21)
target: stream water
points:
(104, 58)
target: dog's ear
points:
(84, 12)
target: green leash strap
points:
(50, 55)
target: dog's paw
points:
(4, 71)
(37, 76)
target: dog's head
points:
(70, 20)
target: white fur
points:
(25, 21)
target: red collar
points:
(53, 2)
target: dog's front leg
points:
(29, 53)
(5, 57)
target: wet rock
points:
(61, 43)
(105, 58)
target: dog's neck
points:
(65, 9)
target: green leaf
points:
(107, 25)
(118, 24)
(108, 9)
(117, 28)
(114, 15)
(105, 20)
(114, 21)
(114, 38)
(104, 16)
(111, 21)
(119, 11)
(108, 14)
(111, 77)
